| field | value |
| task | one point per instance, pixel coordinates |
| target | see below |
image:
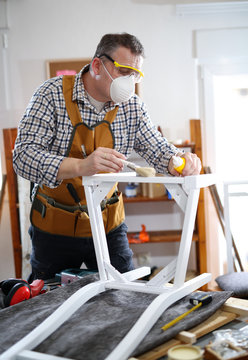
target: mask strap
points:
(107, 71)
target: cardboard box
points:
(153, 190)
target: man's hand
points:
(192, 165)
(104, 160)
(101, 160)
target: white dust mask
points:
(121, 88)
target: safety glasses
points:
(125, 70)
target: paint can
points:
(131, 190)
(185, 352)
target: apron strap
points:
(72, 107)
(110, 116)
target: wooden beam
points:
(232, 309)
(215, 321)
(2, 192)
(9, 137)
(236, 306)
(186, 337)
(195, 135)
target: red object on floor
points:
(18, 290)
(36, 287)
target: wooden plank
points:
(9, 136)
(159, 351)
(186, 337)
(163, 236)
(168, 236)
(195, 135)
(231, 310)
(2, 192)
(236, 306)
(218, 319)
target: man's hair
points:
(110, 42)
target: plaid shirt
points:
(45, 130)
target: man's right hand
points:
(101, 160)
(104, 160)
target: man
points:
(83, 126)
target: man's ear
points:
(95, 68)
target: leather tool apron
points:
(57, 211)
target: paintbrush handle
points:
(130, 165)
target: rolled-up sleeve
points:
(34, 157)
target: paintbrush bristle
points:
(142, 171)
(145, 171)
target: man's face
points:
(122, 56)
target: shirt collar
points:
(79, 92)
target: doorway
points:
(225, 115)
(231, 124)
(231, 135)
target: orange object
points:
(133, 239)
(186, 142)
(143, 235)
(138, 238)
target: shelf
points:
(140, 198)
(166, 236)
(190, 145)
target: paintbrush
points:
(142, 171)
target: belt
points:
(41, 208)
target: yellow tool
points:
(197, 300)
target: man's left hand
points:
(192, 165)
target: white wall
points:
(40, 30)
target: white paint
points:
(24, 211)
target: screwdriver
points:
(198, 300)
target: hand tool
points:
(197, 299)
(142, 171)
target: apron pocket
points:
(51, 219)
(83, 228)
(116, 214)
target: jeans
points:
(53, 253)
